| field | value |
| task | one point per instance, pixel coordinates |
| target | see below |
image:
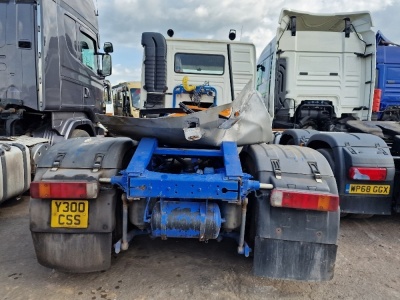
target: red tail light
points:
(372, 174)
(304, 200)
(64, 190)
(376, 102)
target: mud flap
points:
(294, 260)
(59, 251)
(291, 244)
(75, 250)
(80, 250)
(294, 244)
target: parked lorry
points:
(51, 82)
(206, 174)
(387, 85)
(317, 74)
(126, 98)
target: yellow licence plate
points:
(69, 213)
(370, 189)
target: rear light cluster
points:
(304, 200)
(64, 190)
(372, 174)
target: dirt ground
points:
(367, 267)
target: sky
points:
(123, 21)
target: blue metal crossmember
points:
(192, 186)
(183, 152)
(229, 184)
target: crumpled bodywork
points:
(248, 123)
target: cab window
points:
(87, 52)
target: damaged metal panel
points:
(247, 123)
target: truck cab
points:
(51, 71)
(318, 69)
(221, 68)
(387, 93)
(51, 82)
(126, 98)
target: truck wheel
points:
(387, 117)
(250, 232)
(78, 133)
(328, 154)
(290, 142)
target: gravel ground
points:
(367, 267)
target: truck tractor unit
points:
(317, 75)
(51, 81)
(318, 71)
(199, 172)
(387, 83)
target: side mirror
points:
(108, 47)
(107, 65)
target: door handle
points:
(86, 92)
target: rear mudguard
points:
(358, 150)
(296, 136)
(290, 243)
(89, 249)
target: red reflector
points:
(304, 200)
(372, 174)
(64, 190)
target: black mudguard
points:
(358, 150)
(89, 249)
(290, 243)
(296, 136)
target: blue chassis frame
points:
(229, 184)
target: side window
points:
(260, 73)
(87, 51)
(263, 76)
(70, 34)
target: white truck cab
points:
(223, 68)
(318, 69)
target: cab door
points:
(70, 59)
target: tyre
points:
(250, 230)
(328, 154)
(387, 117)
(290, 142)
(76, 133)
